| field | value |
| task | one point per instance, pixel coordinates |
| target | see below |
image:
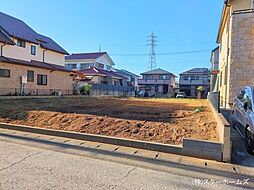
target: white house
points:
(80, 61)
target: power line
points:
(160, 54)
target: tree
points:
(201, 91)
(85, 90)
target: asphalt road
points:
(26, 167)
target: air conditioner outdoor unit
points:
(23, 79)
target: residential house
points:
(158, 82)
(190, 80)
(132, 79)
(214, 69)
(80, 61)
(100, 76)
(236, 51)
(30, 63)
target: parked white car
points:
(243, 116)
(181, 95)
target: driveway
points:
(239, 153)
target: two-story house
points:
(236, 51)
(190, 80)
(158, 82)
(81, 61)
(132, 79)
(30, 63)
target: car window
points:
(240, 95)
(248, 100)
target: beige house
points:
(236, 49)
(30, 63)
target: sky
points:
(186, 30)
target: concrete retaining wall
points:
(191, 147)
(223, 130)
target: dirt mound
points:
(164, 121)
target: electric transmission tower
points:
(152, 43)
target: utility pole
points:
(152, 43)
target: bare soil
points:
(158, 120)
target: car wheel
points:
(249, 142)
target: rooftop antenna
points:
(99, 47)
(152, 43)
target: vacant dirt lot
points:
(159, 120)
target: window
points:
(21, 43)
(42, 79)
(71, 66)
(108, 67)
(185, 77)
(197, 77)
(149, 77)
(30, 76)
(101, 65)
(33, 50)
(5, 73)
(86, 65)
(163, 77)
(240, 95)
(104, 82)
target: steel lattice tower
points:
(152, 43)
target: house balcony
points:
(194, 82)
(154, 81)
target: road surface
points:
(26, 167)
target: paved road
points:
(25, 167)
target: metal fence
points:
(33, 92)
(214, 99)
(111, 90)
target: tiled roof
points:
(93, 55)
(100, 72)
(33, 63)
(196, 70)
(18, 29)
(5, 39)
(157, 72)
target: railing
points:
(214, 99)
(33, 92)
(154, 81)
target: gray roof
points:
(14, 27)
(5, 39)
(196, 71)
(122, 71)
(93, 55)
(157, 72)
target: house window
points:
(30, 76)
(21, 43)
(149, 77)
(163, 77)
(5, 73)
(104, 82)
(108, 67)
(186, 78)
(100, 65)
(33, 50)
(42, 79)
(71, 66)
(197, 77)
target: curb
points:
(165, 159)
